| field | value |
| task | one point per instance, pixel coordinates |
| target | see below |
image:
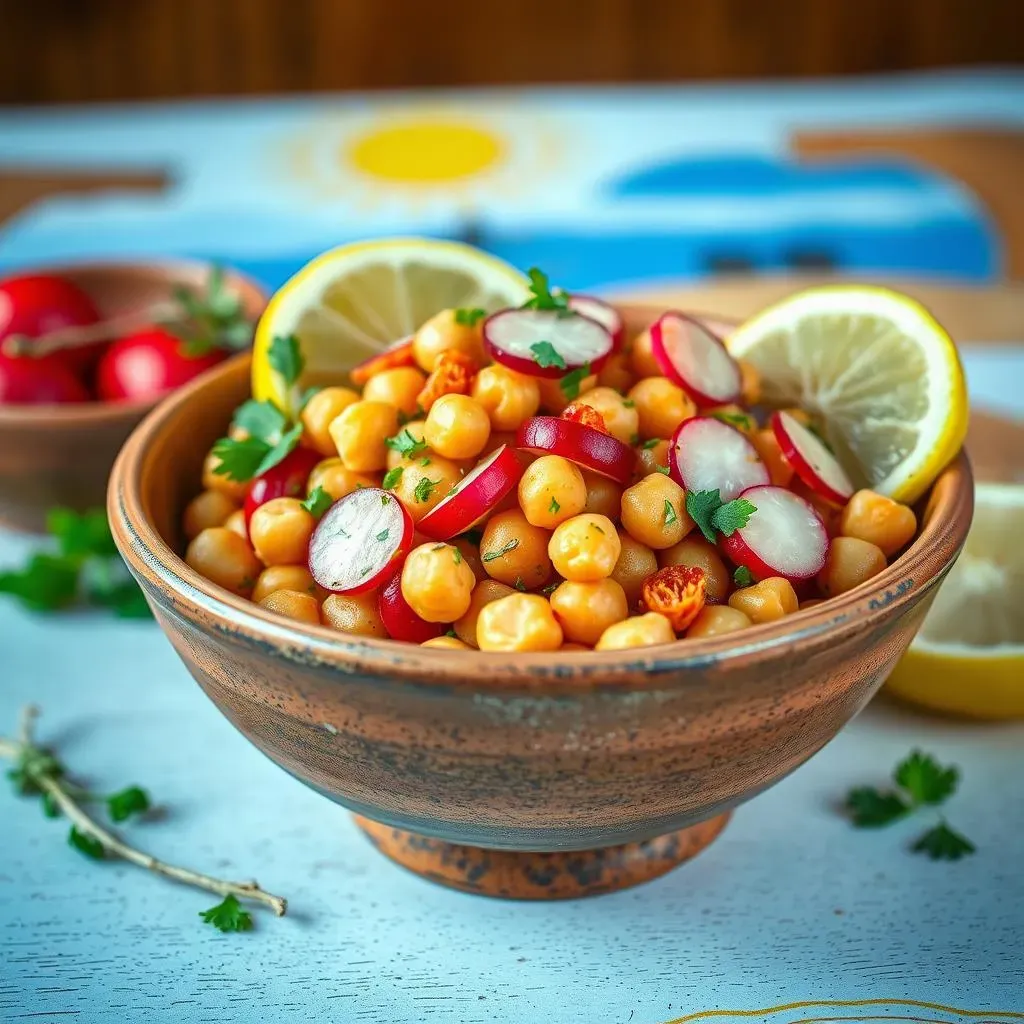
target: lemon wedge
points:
(354, 301)
(878, 368)
(968, 658)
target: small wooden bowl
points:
(61, 454)
(461, 760)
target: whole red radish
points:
(46, 381)
(285, 480)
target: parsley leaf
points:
(943, 843)
(423, 489)
(742, 576)
(318, 502)
(733, 515)
(519, 584)
(554, 508)
(870, 808)
(47, 583)
(457, 555)
(86, 533)
(251, 457)
(286, 359)
(228, 916)
(545, 355)
(262, 420)
(924, 779)
(712, 516)
(405, 444)
(651, 442)
(543, 296)
(86, 844)
(391, 477)
(740, 420)
(670, 513)
(503, 550)
(661, 469)
(571, 382)
(122, 805)
(383, 535)
(469, 317)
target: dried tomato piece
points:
(399, 354)
(453, 374)
(678, 592)
(580, 412)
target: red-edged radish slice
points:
(816, 466)
(544, 343)
(285, 480)
(358, 540)
(784, 537)
(398, 353)
(401, 622)
(695, 359)
(474, 496)
(607, 316)
(708, 455)
(587, 447)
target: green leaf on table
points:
(871, 808)
(925, 780)
(85, 533)
(944, 843)
(132, 800)
(47, 582)
(84, 843)
(228, 916)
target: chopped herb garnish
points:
(504, 550)
(651, 442)
(628, 403)
(543, 296)
(405, 444)
(365, 572)
(735, 419)
(392, 476)
(545, 355)
(742, 576)
(318, 502)
(260, 419)
(707, 510)
(250, 457)
(385, 500)
(228, 916)
(943, 843)
(457, 555)
(469, 317)
(634, 439)
(670, 513)
(424, 488)
(570, 384)
(519, 584)
(661, 469)
(286, 359)
(424, 462)
(383, 535)
(554, 508)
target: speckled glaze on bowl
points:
(537, 752)
(62, 454)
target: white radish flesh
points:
(694, 359)
(709, 455)
(816, 466)
(523, 339)
(607, 316)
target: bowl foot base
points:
(540, 876)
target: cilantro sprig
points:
(545, 355)
(469, 317)
(318, 502)
(570, 384)
(210, 319)
(920, 782)
(543, 297)
(406, 444)
(713, 516)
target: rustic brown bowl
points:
(61, 454)
(537, 752)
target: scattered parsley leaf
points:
(366, 572)
(423, 489)
(504, 550)
(457, 555)
(733, 515)
(739, 420)
(383, 535)
(550, 588)
(391, 477)
(651, 442)
(239, 460)
(944, 843)
(384, 499)
(469, 317)
(318, 502)
(424, 462)
(133, 800)
(281, 450)
(405, 444)
(305, 397)
(47, 582)
(925, 780)
(634, 439)
(870, 808)
(286, 359)
(543, 296)
(554, 508)
(519, 584)
(50, 807)
(86, 844)
(228, 916)
(742, 576)
(451, 632)
(545, 355)
(706, 509)
(661, 469)
(262, 420)
(85, 533)
(571, 382)
(670, 513)
(628, 403)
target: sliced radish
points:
(587, 447)
(358, 540)
(784, 537)
(475, 495)
(695, 359)
(607, 316)
(816, 466)
(546, 343)
(285, 480)
(708, 455)
(401, 622)
(398, 353)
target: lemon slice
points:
(354, 301)
(968, 658)
(885, 377)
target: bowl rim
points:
(906, 580)
(57, 416)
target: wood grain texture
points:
(75, 50)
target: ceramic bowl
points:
(61, 454)
(537, 752)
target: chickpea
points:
(514, 551)
(715, 620)
(652, 457)
(883, 522)
(451, 643)
(750, 383)
(507, 397)
(484, 593)
(293, 604)
(697, 551)
(442, 333)
(586, 610)
(399, 387)
(224, 558)
(338, 481)
(766, 601)
(354, 613)
(457, 427)
(236, 524)
(206, 509)
(214, 481)
(619, 414)
(321, 411)
(636, 562)
(584, 549)
(660, 406)
(641, 357)
(654, 512)
(284, 577)
(519, 622)
(617, 373)
(551, 491)
(419, 497)
(780, 472)
(849, 563)
(553, 399)
(637, 631)
(359, 434)
(280, 530)
(437, 583)
(603, 495)
(471, 553)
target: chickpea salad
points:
(535, 480)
